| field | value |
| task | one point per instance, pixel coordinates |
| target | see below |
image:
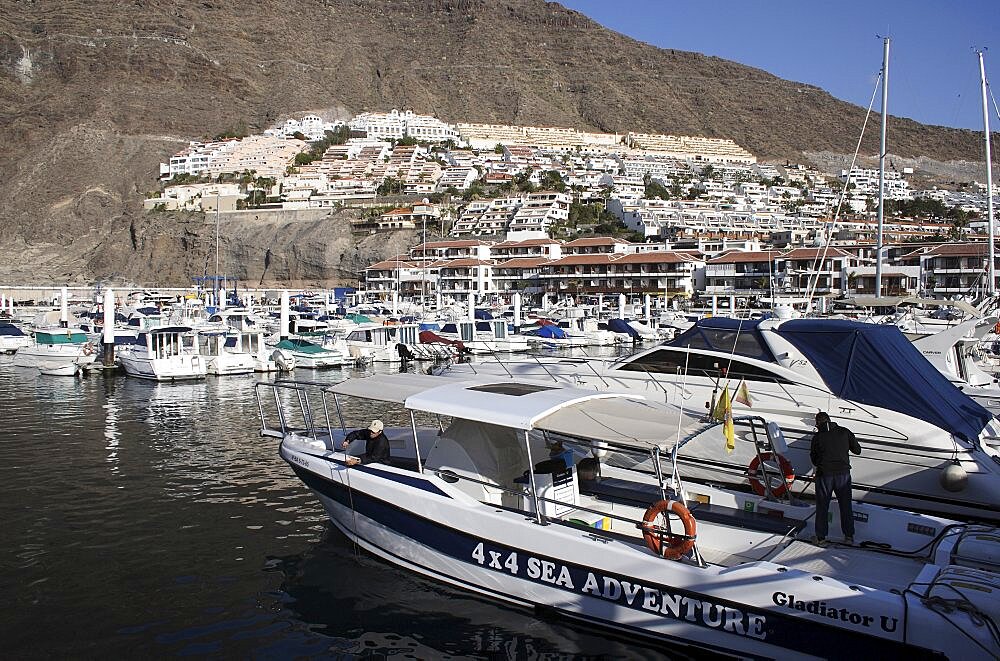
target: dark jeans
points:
(826, 487)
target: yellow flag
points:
(719, 412)
(743, 394)
(727, 425)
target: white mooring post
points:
(283, 319)
(109, 327)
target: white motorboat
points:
(547, 335)
(392, 344)
(587, 330)
(951, 350)
(166, 353)
(918, 430)
(56, 345)
(12, 338)
(485, 337)
(470, 505)
(224, 353)
(309, 354)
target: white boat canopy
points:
(616, 418)
(895, 301)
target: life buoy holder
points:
(660, 539)
(784, 466)
(88, 349)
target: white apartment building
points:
(539, 211)
(458, 178)
(396, 124)
(696, 148)
(266, 155)
(866, 182)
(313, 127)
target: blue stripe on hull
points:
(784, 631)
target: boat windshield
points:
(730, 336)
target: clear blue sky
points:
(933, 71)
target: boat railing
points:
(302, 394)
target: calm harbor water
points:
(143, 519)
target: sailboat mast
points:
(881, 166)
(992, 288)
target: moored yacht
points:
(927, 446)
(165, 353)
(509, 500)
(224, 353)
(309, 354)
(55, 346)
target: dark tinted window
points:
(673, 362)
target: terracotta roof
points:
(461, 263)
(573, 260)
(391, 264)
(657, 257)
(813, 253)
(451, 244)
(958, 250)
(739, 257)
(595, 241)
(523, 262)
(527, 242)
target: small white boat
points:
(59, 369)
(648, 555)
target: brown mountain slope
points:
(93, 94)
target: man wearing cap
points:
(829, 453)
(376, 445)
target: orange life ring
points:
(88, 349)
(667, 544)
(785, 466)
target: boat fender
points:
(757, 484)
(954, 478)
(663, 542)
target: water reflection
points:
(152, 519)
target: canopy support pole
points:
(416, 444)
(539, 519)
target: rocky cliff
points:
(94, 94)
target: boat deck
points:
(850, 564)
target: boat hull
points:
(175, 368)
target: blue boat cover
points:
(11, 330)
(484, 315)
(430, 327)
(621, 326)
(877, 365)
(740, 337)
(550, 332)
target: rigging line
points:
(810, 291)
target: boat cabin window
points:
(673, 362)
(360, 336)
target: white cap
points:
(376, 426)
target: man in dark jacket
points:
(829, 454)
(376, 445)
